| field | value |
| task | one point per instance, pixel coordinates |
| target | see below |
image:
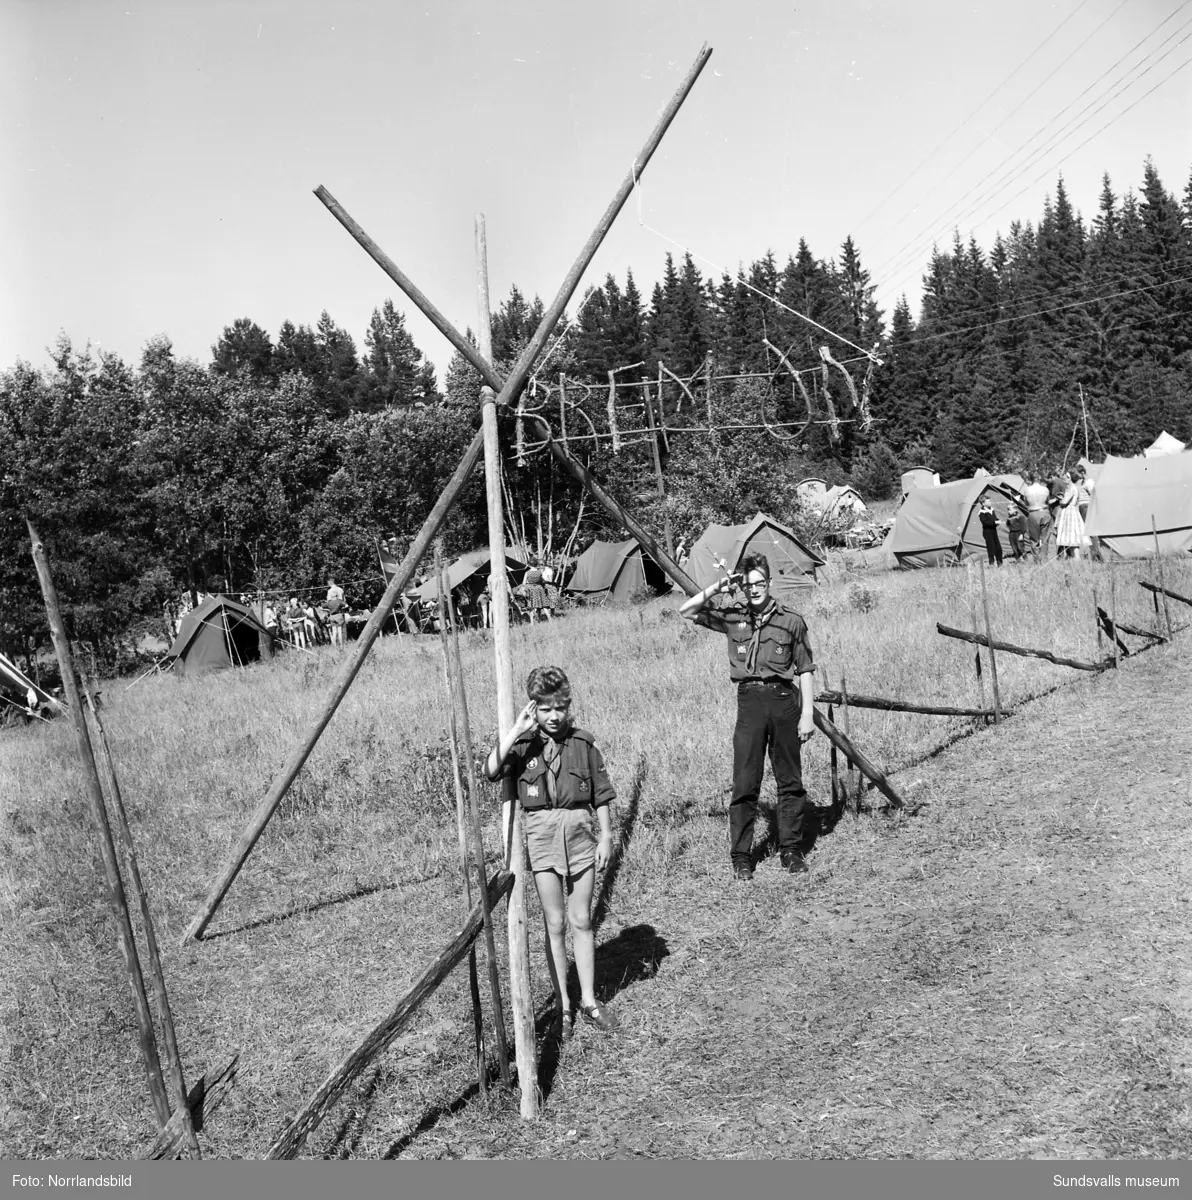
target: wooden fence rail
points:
(885, 704)
(1059, 660)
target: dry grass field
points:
(1003, 972)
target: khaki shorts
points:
(560, 840)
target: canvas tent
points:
(219, 633)
(792, 565)
(938, 526)
(919, 477)
(616, 571)
(1129, 492)
(468, 567)
(1163, 445)
(844, 500)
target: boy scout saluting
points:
(767, 648)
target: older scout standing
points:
(768, 648)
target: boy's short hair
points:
(755, 562)
(548, 681)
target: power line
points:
(1049, 124)
(898, 187)
(915, 248)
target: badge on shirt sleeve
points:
(531, 764)
(531, 789)
(742, 625)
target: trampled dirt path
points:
(1006, 974)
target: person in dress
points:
(1069, 527)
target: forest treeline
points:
(283, 460)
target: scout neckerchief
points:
(552, 756)
(759, 623)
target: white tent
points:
(1163, 444)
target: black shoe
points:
(795, 863)
(742, 871)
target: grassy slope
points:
(1005, 973)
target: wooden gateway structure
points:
(179, 1111)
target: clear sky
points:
(159, 158)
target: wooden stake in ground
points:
(852, 785)
(977, 652)
(116, 896)
(997, 699)
(175, 1079)
(449, 685)
(521, 1000)
(1113, 612)
(1097, 621)
(658, 483)
(1162, 584)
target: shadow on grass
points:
(356, 893)
(633, 955)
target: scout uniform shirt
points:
(568, 773)
(770, 646)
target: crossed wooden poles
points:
(506, 389)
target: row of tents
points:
(222, 632)
(1134, 500)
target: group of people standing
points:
(1055, 511)
(303, 624)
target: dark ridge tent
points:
(1132, 491)
(616, 571)
(470, 570)
(219, 633)
(938, 526)
(792, 565)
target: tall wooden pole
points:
(116, 895)
(174, 1078)
(521, 999)
(449, 686)
(997, 699)
(1162, 584)
(977, 652)
(1113, 613)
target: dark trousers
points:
(993, 544)
(767, 716)
(1017, 540)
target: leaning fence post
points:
(119, 901)
(175, 1079)
(997, 700)
(1113, 613)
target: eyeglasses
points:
(757, 585)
